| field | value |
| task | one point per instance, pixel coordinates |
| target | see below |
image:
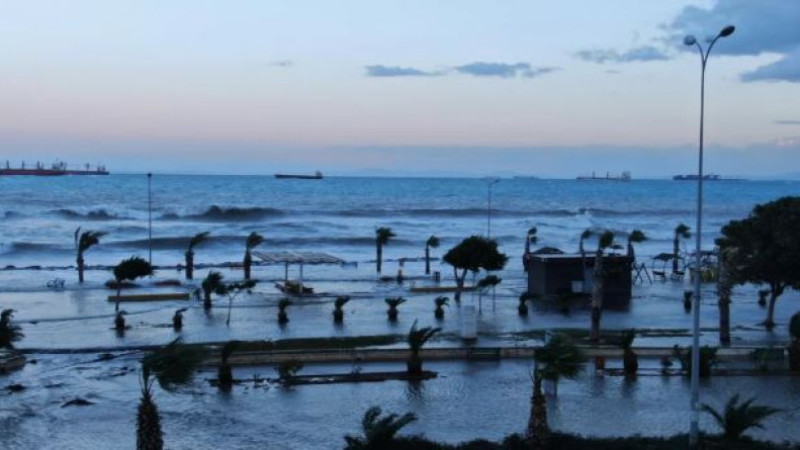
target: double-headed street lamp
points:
(695, 375)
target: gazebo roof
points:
(298, 258)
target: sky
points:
(401, 87)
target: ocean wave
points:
(219, 214)
(12, 215)
(96, 214)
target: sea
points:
(75, 354)
(339, 215)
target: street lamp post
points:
(489, 208)
(695, 375)
(149, 219)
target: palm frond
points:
(394, 302)
(606, 240)
(637, 236)
(683, 231)
(173, 364)
(197, 239)
(441, 301)
(739, 417)
(417, 338)
(284, 303)
(560, 357)
(88, 239)
(383, 234)
(254, 240)
(432, 242)
(341, 301)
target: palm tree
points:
(378, 431)
(473, 254)
(196, 240)
(393, 303)
(177, 319)
(558, 358)
(382, 236)
(489, 281)
(630, 360)
(119, 322)
(338, 313)
(84, 241)
(130, 269)
(739, 417)
(724, 288)
(171, 365)
(635, 237)
(432, 242)
(283, 303)
(531, 239)
(606, 240)
(586, 234)
(794, 347)
(212, 284)
(225, 372)
(440, 303)
(416, 339)
(687, 300)
(253, 241)
(524, 298)
(9, 332)
(232, 290)
(681, 232)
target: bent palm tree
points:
(635, 237)
(338, 313)
(681, 232)
(606, 240)
(378, 431)
(739, 417)
(417, 338)
(382, 236)
(440, 303)
(393, 303)
(524, 298)
(84, 241)
(9, 332)
(177, 319)
(232, 290)
(530, 239)
(432, 242)
(253, 241)
(171, 365)
(196, 240)
(212, 284)
(724, 289)
(129, 270)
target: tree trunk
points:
(630, 362)
(80, 268)
(794, 356)
(675, 250)
(459, 286)
(207, 299)
(378, 256)
(392, 313)
(769, 323)
(597, 296)
(439, 313)
(225, 376)
(283, 318)
(248, 261)
(148, 425)
(338, 316)
(189, 265)
(724, 303)
(538, 431)
(427, 260)
(119, 292)
(414, 364)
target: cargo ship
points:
(694, 177)
(56, 169)
(316, 176)
(625, 176)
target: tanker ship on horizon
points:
(56, 169)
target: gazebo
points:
(298, 258)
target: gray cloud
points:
(281, 63)
(394, 71)
(478, 69)
(784, 69)
(503, 70)
(764, 26)
(638, 54)
(787, 122)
